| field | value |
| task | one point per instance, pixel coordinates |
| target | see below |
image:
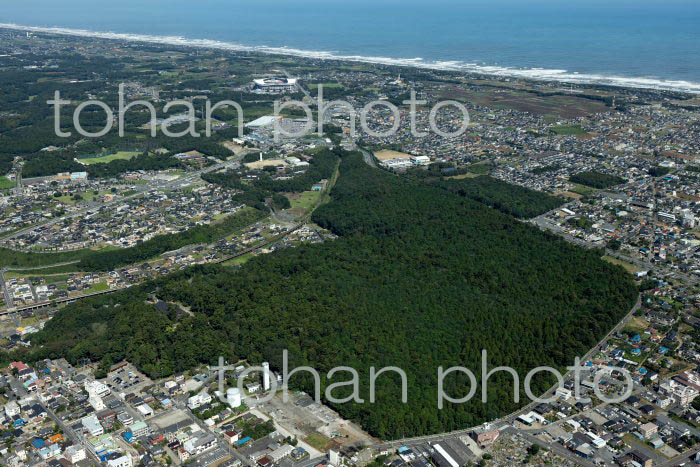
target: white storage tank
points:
(233, 396)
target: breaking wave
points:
(543, 74)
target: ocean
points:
(641, 43)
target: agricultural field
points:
(555, 107)
(480, 168)
(582, 190)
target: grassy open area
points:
(305, 200)
(582, 190)
(88, 196)
(49, 271)
(317, 441)
(552, 108)
(629, 267)
(99, 287)
(6, 183)
(480, 168)
(238, 260)
(109, 158)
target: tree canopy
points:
(419, 278)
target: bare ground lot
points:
(237, 149)
(316, 424)
(388, 154)
(265, 163)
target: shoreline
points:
(533, 74)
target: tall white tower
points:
(266, 376)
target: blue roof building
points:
(38, 443)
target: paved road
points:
(221, 441)
(312, 462)
(37, 268)
(301, 88)
(684, 458)
(369, 160)
(8, 296)
(555, 447)
(77, 438)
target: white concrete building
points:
(95, 388)
(75, 454)
(123, 461)
(92, 425)
(198, 400)
(199, 444)
(11, 409)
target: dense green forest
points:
(21, 259)
(515, 200)
(419, 278)
(658, 171)
(95, 260)
(596, 179)
(545, 169)
(508, 198)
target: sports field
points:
(109, 158)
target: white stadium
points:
(274, 85)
